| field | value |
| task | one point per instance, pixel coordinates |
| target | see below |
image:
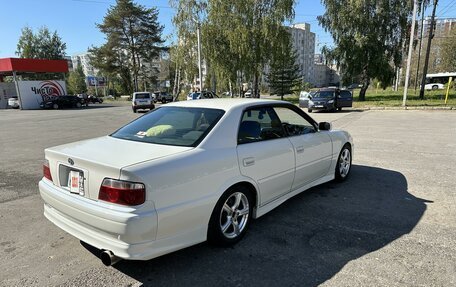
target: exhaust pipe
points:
(108, 258)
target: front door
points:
(265, 154)
(312, 148)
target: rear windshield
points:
(325, 94)
(171, 126)
(142, 96)
(195, 96)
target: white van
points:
(142, 100)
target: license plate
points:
(318, 106)
(76, 182)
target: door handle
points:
(300, 149)
(248, 161)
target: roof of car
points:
(224, 104)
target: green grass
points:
(389, 98)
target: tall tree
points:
(246, 29)
(368, 37)
(133, 30)
(236, 35)
(42, 45)
(189, 14)
(77, 81)
(283, 76)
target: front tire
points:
(231, 217)
(134, 110)
(55, 106)
(344, 163)
(435, 87)
(309, 110)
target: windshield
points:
(171, 126)
(324, 94)
(194, 96)
(142, 96)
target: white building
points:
(304, 43)
(83, 59)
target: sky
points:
(75, 20)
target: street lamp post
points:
(409, 59)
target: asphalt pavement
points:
(392, 223)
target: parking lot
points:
(392, 223)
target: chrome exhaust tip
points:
(108, 258)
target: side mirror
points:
(324, 126)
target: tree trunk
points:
(255, 86)
(362, 92)
(365, 80)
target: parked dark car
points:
(59, 102)
(330, 99)
(94, 99)
(165, 97)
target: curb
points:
(412, 108)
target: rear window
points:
(142, 96)
(171, 126)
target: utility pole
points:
(421, 44)
(409, 59)
(428, 50)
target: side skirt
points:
(262, 210)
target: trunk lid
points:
(95, 159)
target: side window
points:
(345, 94)
(259, 124)
(293, 123)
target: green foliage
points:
(283, 76)
(42, 45)
(133, 38)
(236, 36)
(368, 35)
(449, 52)
(77, 81)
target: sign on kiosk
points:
(32, 93)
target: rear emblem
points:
(70, 161)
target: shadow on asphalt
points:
(304, 242)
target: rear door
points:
(265, 154)
(345, 99)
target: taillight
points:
(122, 192)
(47, 170)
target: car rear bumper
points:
(129, 235)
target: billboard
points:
(32, 93)
(96, 81)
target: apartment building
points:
(304, 43)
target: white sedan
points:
(188, 172)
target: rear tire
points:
(309, 110)
(134, 110)
(339, 109)
(344, 163)
(435, 87)
(55, 106)
(231, 217)
(78, 105)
